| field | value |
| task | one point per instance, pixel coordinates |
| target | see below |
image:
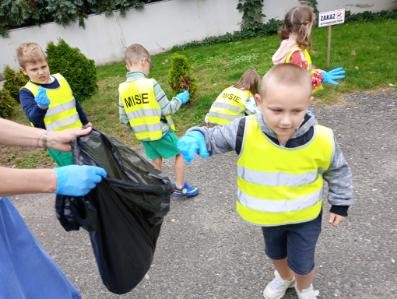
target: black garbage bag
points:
(123, 214)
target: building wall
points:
(159, 26)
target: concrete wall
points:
(159, 26)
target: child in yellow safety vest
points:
(235, 101)
(295, 35)
(145, 108)
(47, 99)
(284, 156)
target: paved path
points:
(205, 251)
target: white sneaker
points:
(277, 287)
(308, 293)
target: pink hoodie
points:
(284, 49)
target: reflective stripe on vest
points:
(279, 185)
(142, 109)
(228, 106)
(61, 113)
(308, 61)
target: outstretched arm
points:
(74, 180)
(12, 133)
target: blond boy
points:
(145, 108)
(284, 157)
(47, 99)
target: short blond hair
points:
(286, 74)
(135, 53)
(30, 53)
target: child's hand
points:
(41, 98)
(192, 143)
(333, 75)
(183, 96)
(336, 219)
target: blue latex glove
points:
(192, 143)
(333, 75)
(41, 98)
(78, 180)
(183, 96)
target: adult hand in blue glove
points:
(192, 143)
(78, 180)
(183, 96)
(333, 75)
(41, 98)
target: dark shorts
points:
(297, 242)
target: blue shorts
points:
(296, 242)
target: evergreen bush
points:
(7, 103)
(14, 81)
(179, 77)
(78, 70)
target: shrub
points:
(14, 81)
(179, 77)
(7, 103)
(78, 70)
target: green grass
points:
(366, 50)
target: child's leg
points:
(158, 163)
(302, 240)
(304, 281)
(179, 171)
(283, 269)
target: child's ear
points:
(258, 99)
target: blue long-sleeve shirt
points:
(35, 114)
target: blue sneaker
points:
(186, 190)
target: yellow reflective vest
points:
(61, 113)
(308, 61)
(142, 109)
(228, 106)
(278, 185)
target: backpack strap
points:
(240, 135)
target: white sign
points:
(329, 18)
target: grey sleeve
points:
(167, 107)
(339, 178)
(123, 118)
(220, 139)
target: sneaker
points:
(186, 190)
(277, 287)
(308, 293)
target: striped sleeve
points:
(167, 107)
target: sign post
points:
(327, 19)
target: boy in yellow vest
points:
(284, 157)
(47, 99)
(144, 107)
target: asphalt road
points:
(205, 251)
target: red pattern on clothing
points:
(299, 59)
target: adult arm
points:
(12, 133)
(20, 181)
